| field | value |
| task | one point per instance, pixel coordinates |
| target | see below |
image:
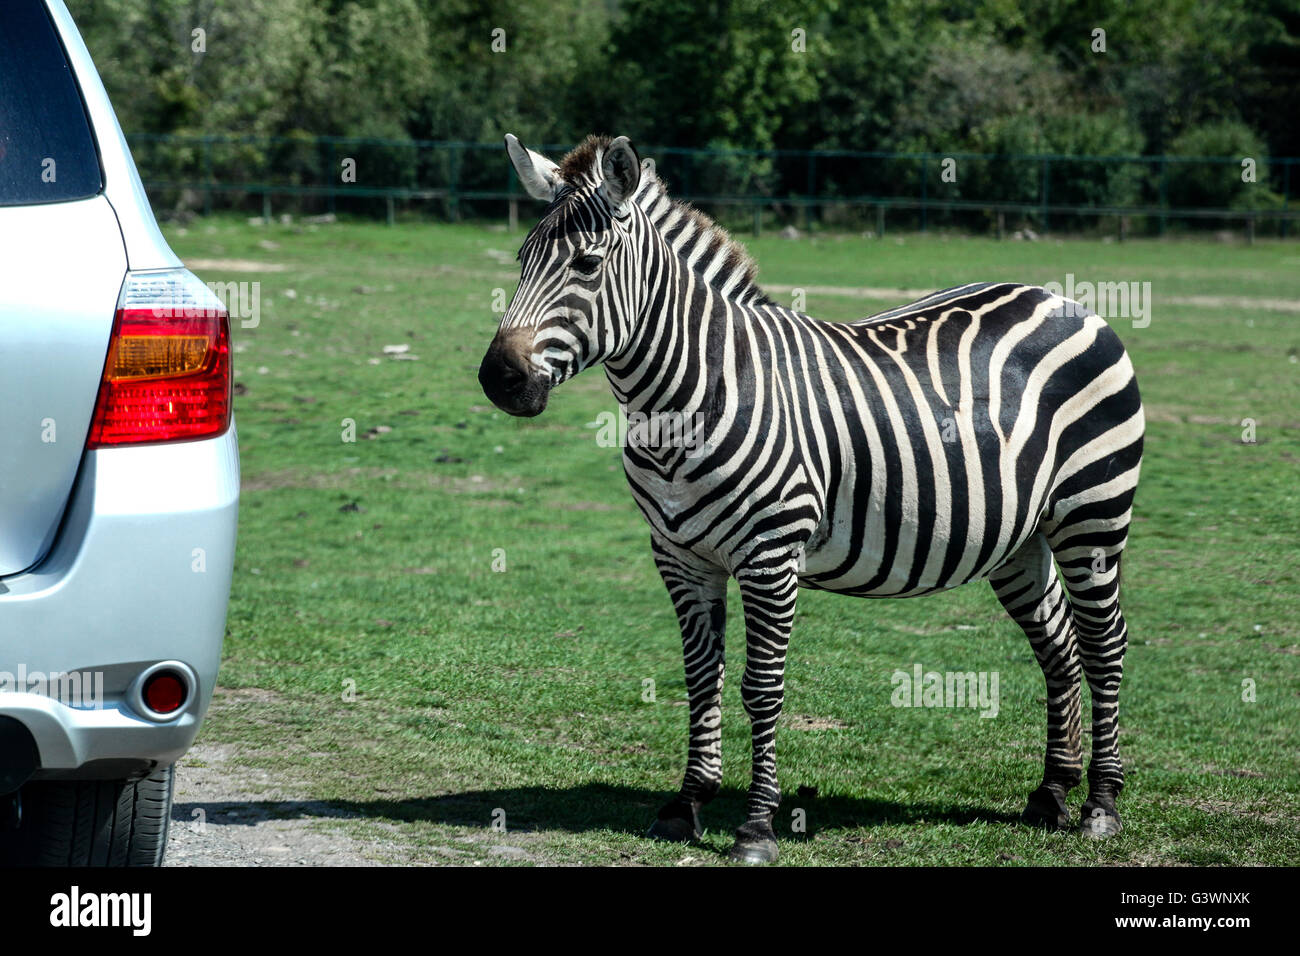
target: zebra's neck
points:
(687, 334)
(701, 289)
(662, 367)
(704, 246)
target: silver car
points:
(119, 471)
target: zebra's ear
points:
(540, 176)
(621, 170)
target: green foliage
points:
(1110, 133)
(1219, 185)
(987, 76)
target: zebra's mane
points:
(708, 248)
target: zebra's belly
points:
(871, 573)
(918, 530)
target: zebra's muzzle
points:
(512, 383)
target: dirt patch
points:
(888, 295)
(348, 478)
(808, 722)
(1233, 302)
(1225, 808)
(851, 292)
(234, 265)
(228, 811)
(224, 815)
(294, 478)
(258, 694)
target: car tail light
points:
(167, 376)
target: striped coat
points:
(984, 432)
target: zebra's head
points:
(575, 303)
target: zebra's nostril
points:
(511, 383)
(512, 377)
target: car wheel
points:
(95, 822)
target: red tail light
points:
(167, 376)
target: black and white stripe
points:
(983, 432)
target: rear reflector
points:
(163, 692)
(167, 377)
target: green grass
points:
(372, 562)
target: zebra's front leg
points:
(699, 594)
(769, 594)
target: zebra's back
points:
(962, 418)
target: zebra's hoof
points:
(755, 843)
(1046, 808)
(678, 822)
(1099, 823)
(674, 830)
(754, 851)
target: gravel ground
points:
(224, 816)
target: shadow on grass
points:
(590, 807)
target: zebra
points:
(987, 431)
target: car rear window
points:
(47, 153)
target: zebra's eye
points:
(586, 265)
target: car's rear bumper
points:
(139, 574)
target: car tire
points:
(95, 822)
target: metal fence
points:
(807, 188)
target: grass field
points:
(369, 565)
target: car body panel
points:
(63, 266)
(140, 573)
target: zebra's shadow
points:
(600, 806)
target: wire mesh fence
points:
(752, 189)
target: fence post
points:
(1002, 223)
(391, 217)
(925, 189)
(513, 215)
(1286, 194)
(266, 208)
(1123, 228)
(880, 220)
(1250, 229)
(207, 175)
(331, 176)
(453, 203)
(812, 191)
(758, 219)
(1047, 172)
(1164, 192)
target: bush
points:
(1217, 184)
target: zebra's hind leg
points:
(1031, 592)
(768, 591)
(699, 594)
(1088, 550)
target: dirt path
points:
(891, 295)
(226, 816)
